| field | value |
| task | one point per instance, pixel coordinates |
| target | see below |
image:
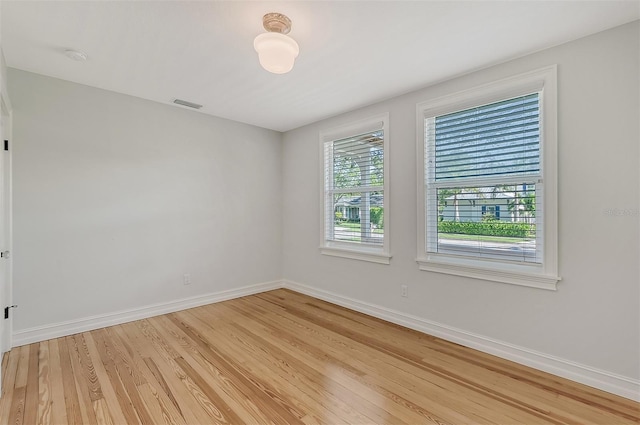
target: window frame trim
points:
(356, 251)
(545, 275)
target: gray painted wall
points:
(115, 198)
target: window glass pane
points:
(497, 222)
(359, 161)
(358, 217)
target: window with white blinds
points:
(484, 198)
(483, 166)
(354, 174)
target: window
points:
(354, 177)
(487, 188)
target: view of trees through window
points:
(358, 196)
(499, 218)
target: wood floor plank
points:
(162, 382)
(110, 405)
(23, 366)
(71, 400)
(283, 357)
(16, 413)
(101, 409)
(162, 412)
(45, 400)
(5, 363)
(124, 356)
(58, 404)
(87, 367)
(10, 361)
(225, 413)
(83, 382)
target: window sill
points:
(362, 255)
(514, 277)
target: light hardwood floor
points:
(281, 357)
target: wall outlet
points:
(404, 291)
(186, 279)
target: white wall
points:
(594, 317)
(3, 75)
(117, 197)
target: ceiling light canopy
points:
(76, 55)
(276, 51)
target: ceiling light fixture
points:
(76, 55)
(276, 51)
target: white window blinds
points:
(492, 140)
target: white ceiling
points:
(351, 53)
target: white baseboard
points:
(56, 330)
(603, 380)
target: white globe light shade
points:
(276, 52)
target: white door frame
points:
(6, 291)
(7, 119)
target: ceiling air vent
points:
(187, 104)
